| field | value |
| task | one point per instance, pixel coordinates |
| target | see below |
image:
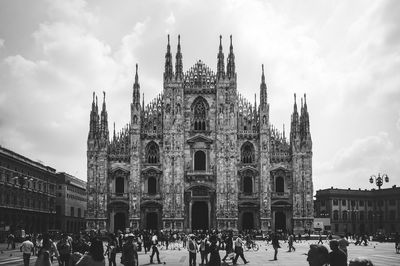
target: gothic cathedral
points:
(199, 156)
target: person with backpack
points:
(64, 249)
(192, 248)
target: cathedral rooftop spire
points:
(168, 72)
(179, 64)
(220, 65)
(230, 71)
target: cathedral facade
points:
(199, 156)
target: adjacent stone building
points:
(70, 203)
(199, 156)
(27, 194)
(360, 211)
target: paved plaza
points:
(381, 254)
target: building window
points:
(353, 203)
(362, 215)
(335, 202)
(335, 215)
(152, 185)
(361, 203)
(344, 215)
(322, 202)
(336, 228)
(392, 215)
(247, 185)
(392, 202)
(279, 184)
(343, 202)
(199, 161)
(370, 216)
(369, 203)
(72, 212)
(247, 152)
(200, 109)
(152, 153)
(119, 186)
(79, 212)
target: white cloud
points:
(170, 19)
(1, 43)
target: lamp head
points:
(386, 178)
(371, 180)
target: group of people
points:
(88, 249)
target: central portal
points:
(200, 215)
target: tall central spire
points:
(221, 65)
(263, 90)
(179, 64)
(136, 90)
(168, 73)
(230, 71)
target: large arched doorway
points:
(119, 222)
(200, 215)
(248, 221)
(152, 221)
(119, 186)
(280, 221)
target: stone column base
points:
(230, 223)
(173, 224)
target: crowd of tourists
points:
(93, 248)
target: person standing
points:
(290, 243)
(275, 245)
(111, 251)
(154, 247)
(27, 248)
(343, 244)
(239, 250)
(318, 255)
(192, 248)
(215, 259)
(336, 256)
(129, 252)
(10, 241)
(64, 249)
(204, 249)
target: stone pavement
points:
(382, 254)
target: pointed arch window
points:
(247, 152)
(200, 111)
(152, 153)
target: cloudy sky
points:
(345, 55)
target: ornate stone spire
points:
(168, 72)
(221, 64)
(179, 64)
(230, 70)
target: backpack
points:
(191, 246)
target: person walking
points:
(154, 246)
(47, 250)
(192, 248)
(111, 251)
(290, 243)
(320, 239)
(11, 241)
(228, 246)
(275, 245)
(239, 250)
(129, 252)
(27, 248)
(336, 256)
(215, 259)
(204, 249)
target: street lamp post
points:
(379, 180)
